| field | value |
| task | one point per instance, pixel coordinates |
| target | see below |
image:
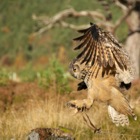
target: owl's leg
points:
(80, 105)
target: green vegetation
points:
(4, 77)
(54, 76)
(17, 26)
(22, 53)
(40, 65)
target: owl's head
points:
(77, 70)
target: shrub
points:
(54, 77)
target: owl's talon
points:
(70, 105)
(79, 108)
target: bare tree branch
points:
(59, 19)
(121, 19)
(99, 18)
(70, 13)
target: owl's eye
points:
(74, 69)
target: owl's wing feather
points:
(83, 30)
(86, 38)
(90, 55)
(87, 52)
(100, 48)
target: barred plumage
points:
(105, 68)
(118, 119)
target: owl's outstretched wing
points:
(101, 50)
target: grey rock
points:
(49, 134)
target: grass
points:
(52, 113)
(3, 77)
(28, 107)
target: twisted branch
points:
(59, 19)
(100, 19)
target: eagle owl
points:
(104, 68)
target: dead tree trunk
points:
(133, 41)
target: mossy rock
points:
(49, 134)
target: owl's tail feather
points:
(119, 108)
(117, 118)
(120, 104)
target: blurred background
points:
(36, 47)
